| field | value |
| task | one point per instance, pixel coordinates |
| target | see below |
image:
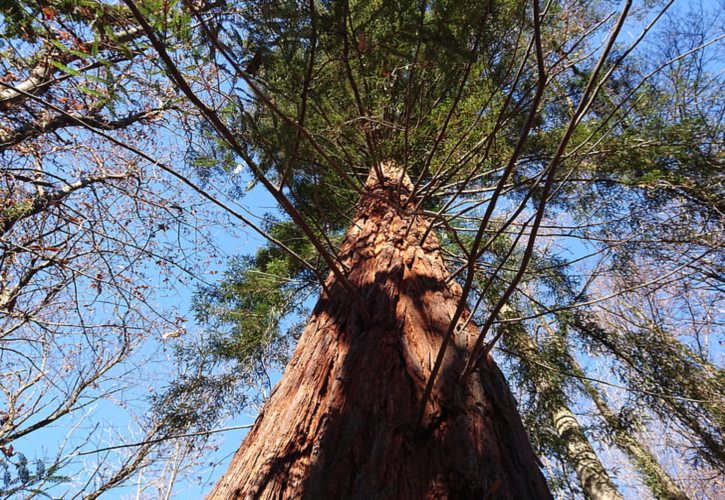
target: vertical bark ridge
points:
(340, 422)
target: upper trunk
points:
(341, 422)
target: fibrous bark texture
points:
(342, 421)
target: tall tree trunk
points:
(341, 422)
(593, 476)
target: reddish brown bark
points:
(341, 422)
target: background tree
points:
(90, 240)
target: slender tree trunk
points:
(341, 422)
(646, 464)
(593, 477)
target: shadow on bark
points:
(341, 422)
